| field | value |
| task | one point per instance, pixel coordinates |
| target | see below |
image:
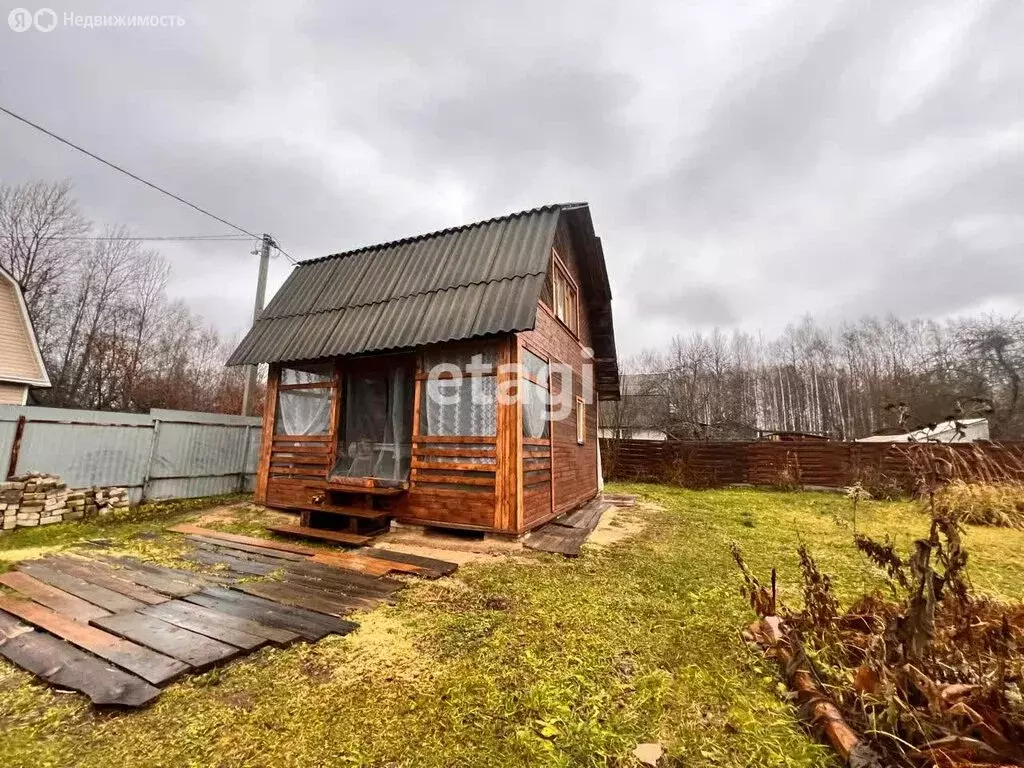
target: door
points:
(375, 435)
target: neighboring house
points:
(21, 364)
(789, 436)
(357, 429)
(962, 431)
(644, 410)
(649, 410)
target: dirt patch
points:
(27, 553)
(619, 523)
(382, 644)
(244, 512)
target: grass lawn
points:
(518, 661)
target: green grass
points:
(530, 661)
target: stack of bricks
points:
(35, 499)
(40, 499)
(10, 502)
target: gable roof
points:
(20, 359)
(474, 280)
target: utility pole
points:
(261, 292)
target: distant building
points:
(964, 431)
(789, 436)
(21, 364)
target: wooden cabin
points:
(451, 379)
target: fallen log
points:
(823, 713)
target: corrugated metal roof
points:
(475, 280)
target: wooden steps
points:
(364, 513)
(375, 490)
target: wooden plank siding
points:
(573, 466)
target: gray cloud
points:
(744, 167)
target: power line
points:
(284, 253)
(174, 238)
(116, 167)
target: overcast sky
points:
(746, 162)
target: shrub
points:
(999, 504)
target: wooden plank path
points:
(61, 664)
(55, 599)
(151, 666)
(116, 628)
(566, 534)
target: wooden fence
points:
(810, 463)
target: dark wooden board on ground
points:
(296, 549)
(55, 599)
(586, 517)
(61, 664)
(234, 564)
(198, 651)
(309, 625)
(164, 583)
(566, 534)
(149, 665)
(330, 623)
(219, 626)
(442, 567)
(557, 539)
(309, 568)
(275, 635)
(335, 537)
(300, 596)
(104, 576)
(248, 548)
(93, 593)
(359, 595)
(193, 579)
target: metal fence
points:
(159, 455)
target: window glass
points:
(564, 298)
(303, 411)
(535, 407)
(308, 374)
(581, 421)
(466, 406)
(537, 367)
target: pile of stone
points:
(106, 500)
(40, 499)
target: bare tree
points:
(38, 222)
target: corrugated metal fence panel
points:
(163, 454)
(7, 430)
(199, 459)
(88, 454)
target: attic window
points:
(565, 296)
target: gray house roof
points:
(475, 280)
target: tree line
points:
(846, 382)
(110, 336)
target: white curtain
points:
(466, 406)
(399, 429)
(303, 412)
(535, 406)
